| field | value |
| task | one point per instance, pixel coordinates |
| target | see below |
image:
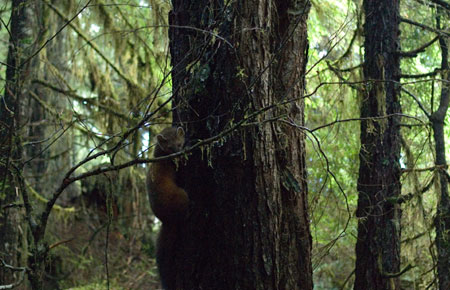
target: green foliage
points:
(95, 80)
(98, 286)
(336, 44)
(4, 11)
(105, 78)
(333, 158)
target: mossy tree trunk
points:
(21, 123)
(11, 121)
(442, 220)
(378, 243)
(247, 226)
(44, 163)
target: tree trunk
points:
(21, 115)
(10, 146)
(442, 220)
(44, 162)
(379, 228)
(247, 226)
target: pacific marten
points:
(168, 201)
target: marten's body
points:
(168, 201)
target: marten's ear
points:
(180, 132)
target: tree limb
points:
(424, 75)
(442, 3)
(413, 53)
(418, 102)
(424, 169)
(423, 26)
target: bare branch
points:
(423, 26)
(337, 72)
(367, 118)
(418, 102)
(429, 74)
(432, 168)
(442, 3)
(415, 52)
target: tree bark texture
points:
(23, 124)
(379, 228)
(10, 142)
(247, 226)
(442, 220)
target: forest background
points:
(99, 88)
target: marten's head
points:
(171, 140)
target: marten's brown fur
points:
(168, 201)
